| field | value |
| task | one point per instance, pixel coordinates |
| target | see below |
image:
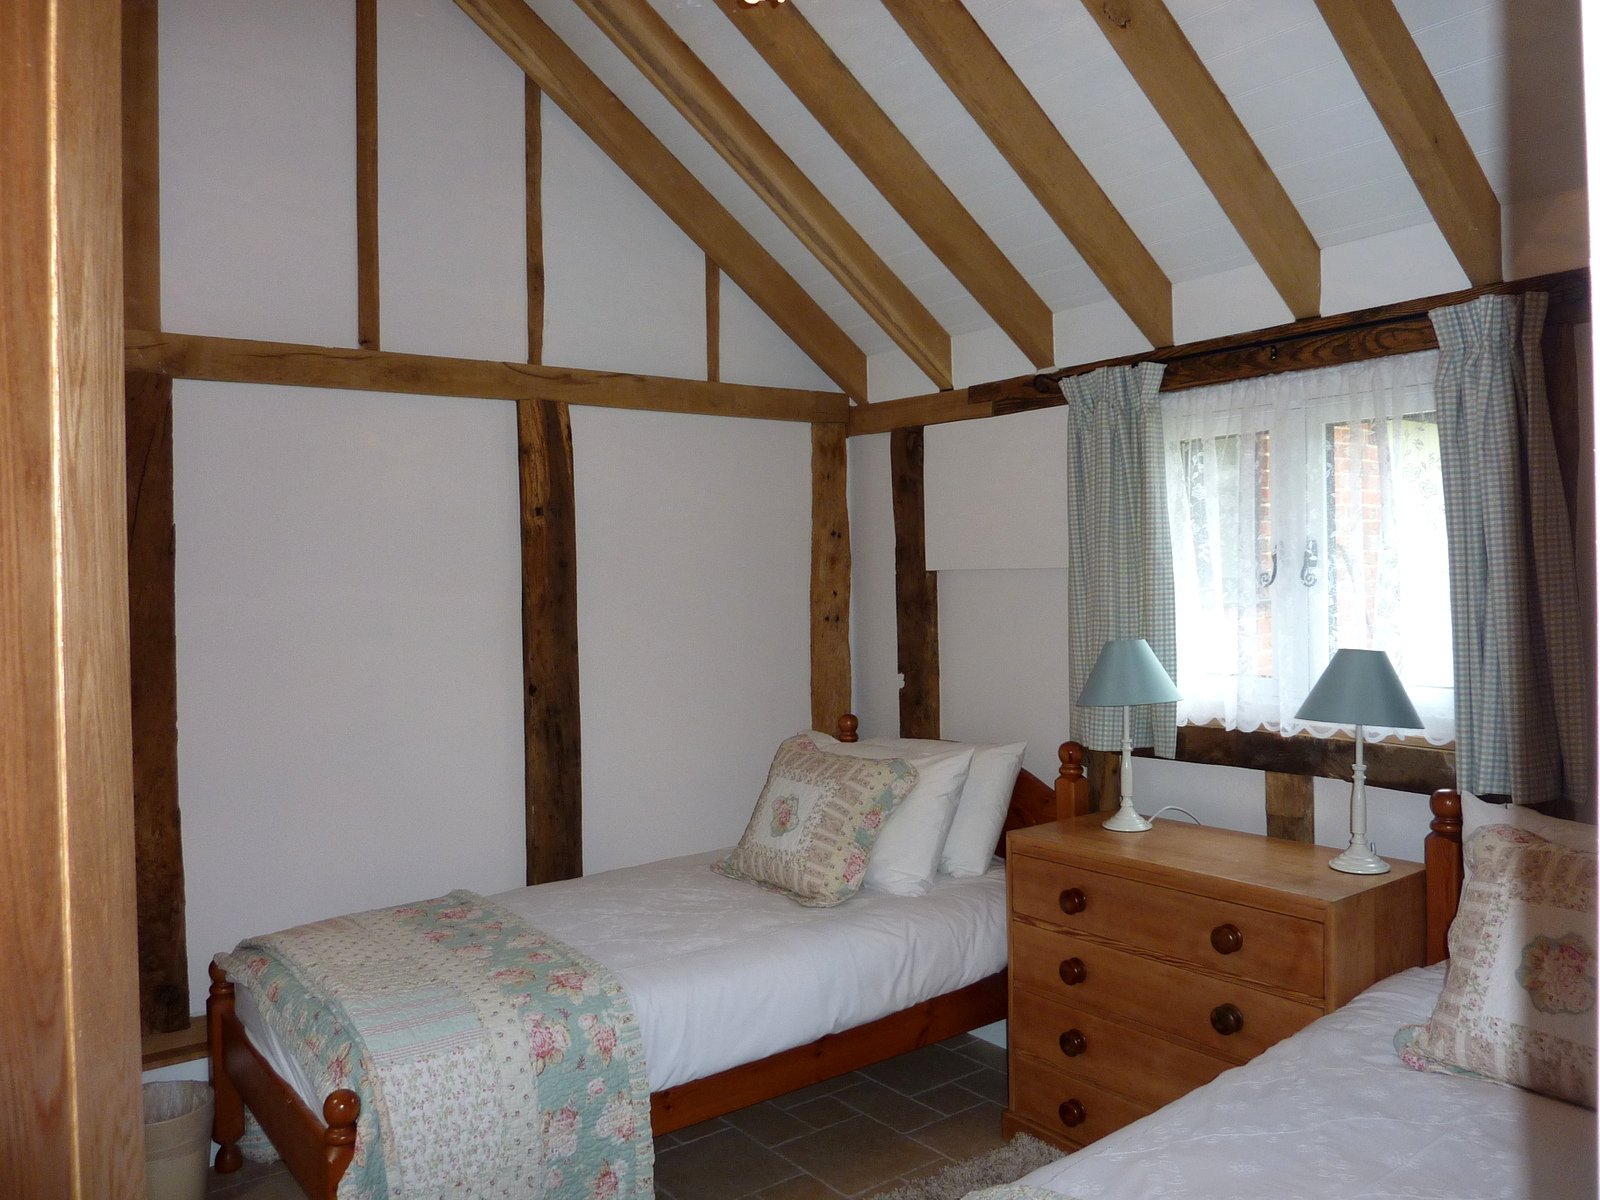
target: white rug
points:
(1005, 1165)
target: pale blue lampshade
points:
(1360, 687)
(1127, 672)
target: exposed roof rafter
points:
(1407, 99)
(562, 76)
(810, 69)
(663, 57)
(957, 48)
(1170, 73)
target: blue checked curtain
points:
(1119, 577)
(1523, 693)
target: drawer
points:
(1127, 988)
(1280, 951)
(1134, 1062)
(1068, 1107)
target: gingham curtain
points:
(1119, 572)
(1522, 686)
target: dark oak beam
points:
(1400, 328)
(916, 591)
(141, 165)
(551, 724)
(153, 656)
(533, 174)
(810, 69)
(1291, 811)
(595, 109)
(1403, 767)
(979, 76)
(649, 42)
(234, 360)
(367, 323)
(830, 576)
(1177, 84)
(1407, 99)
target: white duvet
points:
(1332, 1112)
(722, 973)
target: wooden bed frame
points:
(317, 1149)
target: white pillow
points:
(1476, 813)
(906, 857)
(969, 846)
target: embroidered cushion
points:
(816, 821)
(1518, 1004)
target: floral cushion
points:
(1518, 1004)
(815, 824)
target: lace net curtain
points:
(1307, 516)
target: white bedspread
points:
(722, 973)
(1332, 1112)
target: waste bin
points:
(177, 1139)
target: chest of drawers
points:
(1143, 965)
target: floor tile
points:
(769, 1124)
(856, 1155)
(987, 1053)
(243, 1183)
(801, 1187)
(723, 1166)
(991, 1085)
(920, 1070)
(975, 1131)
(823, 1111)
(826, 1088)
(693, 1133)
(949, 1098)
(889, 1106)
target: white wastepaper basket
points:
(177, 1139)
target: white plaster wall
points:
(349, 683)
(694, 553)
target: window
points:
(1307, 515)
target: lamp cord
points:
(1175, 808)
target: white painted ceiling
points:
(1509, 69)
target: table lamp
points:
(1127, 673)
(1360, 687)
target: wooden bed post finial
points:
(1441, 854)
(847, 728)
(1072, 786)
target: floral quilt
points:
(491, 1059)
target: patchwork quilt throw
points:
(491, 1060)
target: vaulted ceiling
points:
(925, 168)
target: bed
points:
(703, 1060)
(1333, 1111)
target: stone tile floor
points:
(855, 1136)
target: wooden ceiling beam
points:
(979, 76)
(562, 76)
(662, 57)
(235, 360)
(1170, 73)
(811, 70)
(1407, 99)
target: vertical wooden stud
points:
(367, 326)
(916, 591)
(830, 576)
(1290, 812)
(1104, 771)
(713, 321)
(141, 166)
(550, 643)
(533, 176)
(551, 729)
(153, 654)
(69, 1022)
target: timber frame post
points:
(916, 591)
(830, 576)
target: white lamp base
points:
(1126, 820)
(1359, 860)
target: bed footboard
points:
(315, 1151)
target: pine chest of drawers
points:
(1145, 964)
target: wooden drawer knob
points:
(1071, 1113)
(1073, 901)
(1073, 1043)
(1072, 972)
(1226, 939)
(1226, 1019)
